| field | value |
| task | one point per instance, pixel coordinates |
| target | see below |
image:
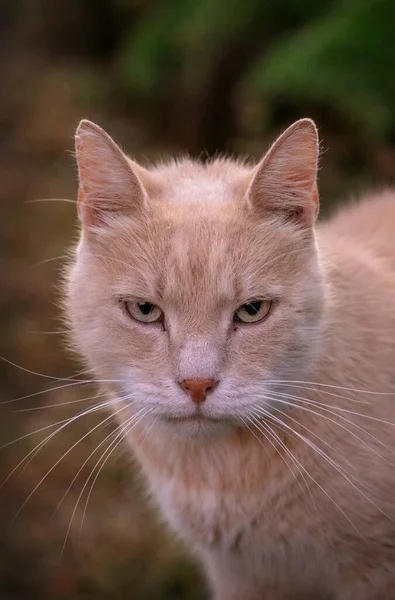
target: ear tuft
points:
(107, 181)
(285, 181)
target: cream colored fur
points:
(285, 484)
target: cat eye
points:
(145, 312)
(253, 311)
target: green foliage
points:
(334, 55)
(181, 35)
(343, 61)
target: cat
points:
(250, 357)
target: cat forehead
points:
(196, 257)
(187, 181)
(198, 190)
(198, 237)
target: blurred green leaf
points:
(342, 61)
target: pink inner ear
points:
(108, 180)
(306, 213)
(286, 177)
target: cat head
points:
(196, 287)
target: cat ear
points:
(108, 181)
(285, 181)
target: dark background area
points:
(162, 77)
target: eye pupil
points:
(253, 311)
(144, 312)
(146, 308)
(253, 307)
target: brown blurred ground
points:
(58, 66)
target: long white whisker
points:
(48, 260)
(78, 401)
(125, 430)
(280, 422)
(291, 383)
(274, 398)
(36, 200)
(148, 431)
(329, 460)
(54, 389)
(245, 423)
(333, 408)
(40, 446)
(296, 462)
(56, 378)
(56, 332)
(64, 423)
(117, 435)
(328, 393)
(254, 421)
(298, 423)
(26, 435)
(87, 460)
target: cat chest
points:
(249, 538)
(220, 519)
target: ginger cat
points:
(250, 355)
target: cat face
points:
(196, 287)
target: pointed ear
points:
(285, 181)
(108, 182)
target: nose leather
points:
(198, 388)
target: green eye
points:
(253, 311)
(145, 312)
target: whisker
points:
(37, 200)
(55, 465)
(57, 378)
(148, 431)
(113, 433)
(48, 260)
(79, 400)
(54, 389)
(330, 461)
(339, 408)
(31, 455)
(280, 422)
(332, 394)
(41, 444)
(130, 425)
(296, 462)
(253, 422)
(57, 332)
(26, 435)
(292, 383)
(117, 435)
(287, 416)
(324, 408)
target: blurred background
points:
(202, 76)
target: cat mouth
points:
(194, 418)
(197, 423)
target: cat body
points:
(245, 511)
(281, 473)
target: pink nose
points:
(198, 388)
